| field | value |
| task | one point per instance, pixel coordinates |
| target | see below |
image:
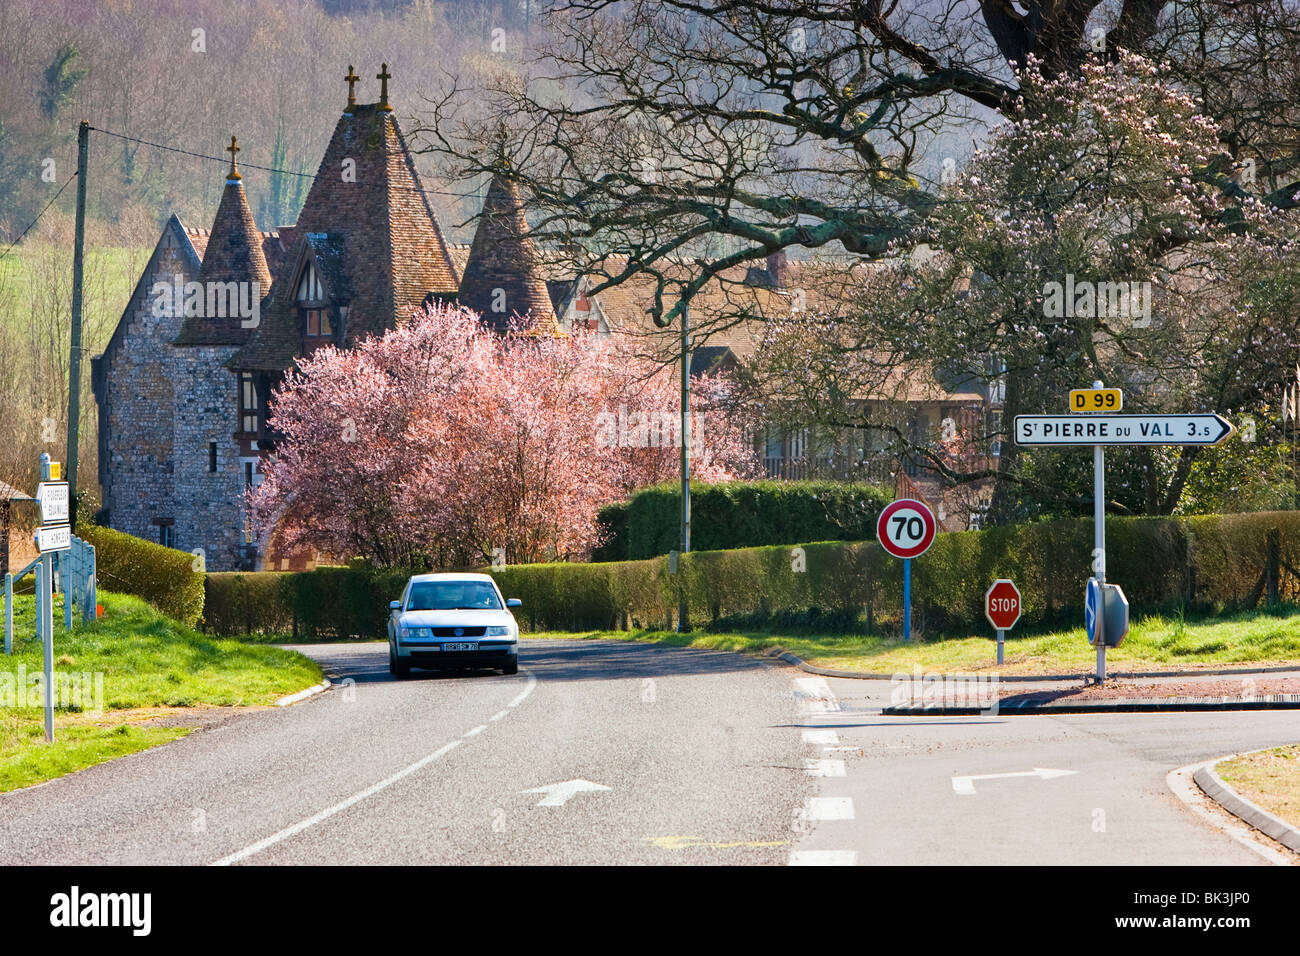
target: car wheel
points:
(396, 667)
(511, 668)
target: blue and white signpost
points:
(905, 529)
(1105, 607)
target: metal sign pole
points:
(1001, 637)
(1099, 553)
(907, 599)
(9, 613)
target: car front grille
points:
(459, 631)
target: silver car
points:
(452, 620)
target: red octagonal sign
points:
(905, 528)
(1002, 604)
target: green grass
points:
(1269, 778)
(149, 664)
(1260, 638)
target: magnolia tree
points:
(444, 442)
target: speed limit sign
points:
(906, 528)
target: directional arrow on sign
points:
(1154, 429)
(966, 785)
(558, 794)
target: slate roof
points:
(383, 253)
(503, 269)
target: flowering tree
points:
(443, 441)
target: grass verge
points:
(1269, 779)
(106, 672)
(1248, 639)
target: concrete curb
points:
(1120, 705)
(290, 699)
(1259, 818)
(782, 654)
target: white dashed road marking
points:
(370, 791)
(814, 698)
(820, 809)
(824, 768)
(826, 738)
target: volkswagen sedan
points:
(452, 620)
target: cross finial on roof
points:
(352, 80)
(232, 149)
(383, 76)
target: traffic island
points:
(957, 698)
(1260, 788)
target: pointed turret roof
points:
(233, 253)
(367, 204)
(503, 275)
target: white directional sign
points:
(966, 785)
(558, 794)
(1103, 429)
(54, 538)
(53, 498)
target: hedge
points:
(164, 577)
(740, 514)
(1207, 563)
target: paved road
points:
(1115, 806)
(708, 757)
(696, 747)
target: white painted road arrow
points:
(966, 785)
(558, 794)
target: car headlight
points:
(497, 630)
(416, 632)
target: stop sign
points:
(1002, 604)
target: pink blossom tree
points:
(442, 441)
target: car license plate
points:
(461, 647)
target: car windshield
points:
(448, 595)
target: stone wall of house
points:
(137, 404)
(207, 504)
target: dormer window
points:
(311, 303)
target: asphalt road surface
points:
(635, 754)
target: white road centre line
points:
(325, 814)
(498, 715)
(824, 767)
(828, 808)
(824, 858)
(528, 689)
(475, 731)
(826, 738)
(370, 791)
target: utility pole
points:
(683, 621)
(74, 359)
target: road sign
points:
(1002, 604)
(53, 498)
(906, 528)
(1091, 607)
(1096, 400)
(1208, 429)
(54, 538)
(1108, 602)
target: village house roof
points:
(503, 276)
(383, 254)
(233, 252)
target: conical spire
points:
(233, 255)
(503, 275)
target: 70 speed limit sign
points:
(906, 528)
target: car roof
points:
(450, 576)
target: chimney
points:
(776, 268)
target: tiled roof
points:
(233, 252)
(367, 198)
(503, 277)
(9, 493)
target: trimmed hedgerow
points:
(166, 578)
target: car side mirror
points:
(514, 602)
(394, 605)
